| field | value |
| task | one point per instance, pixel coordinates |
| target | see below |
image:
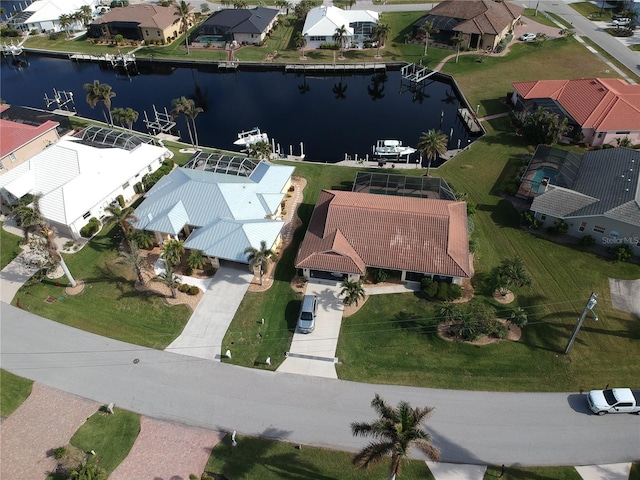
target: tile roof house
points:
(601, 199)
(321, 24)
(240, 25)
(350, 232)
(44, 15)
(21, 141)
(79, 178)
(482, 23)
(219, 214)
(144, 21)
(601, 109)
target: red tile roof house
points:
(350, 232)
(602, 109)
(21, 141)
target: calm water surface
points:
(332, 116)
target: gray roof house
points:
(242, 25)
(220, 214)
(601, 200)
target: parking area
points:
(314, 353)
(626, 41)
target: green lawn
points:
(260, 459)
(541, 17)
(13, 391)
(80, 45)
(110, 436)
(108, 305)
(9, 247)
(590, 10)
(533, 473)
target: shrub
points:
(471, 208)
(9, 32)
(120, 200)
(194, 290)
(54, 35)
(59, 452)
(184, 288)
(91, 228)
(443, 291)
(469, 329)
(623, 253)
(379, 275)
(138, 188)
(496, 329)
(329, 46)
(431, 290)
(473, 245)
(425, 282)
(587, 241)
(34, 31)
(210, 272)
(528, 219)
(188, 271)
(455, 291)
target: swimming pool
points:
(543, 172)
(210, 38)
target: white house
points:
(78, 177)
(321, 24)
(44, 15)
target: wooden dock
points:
(470, 120)
(335, 67)
(231, 65)
(117, 60)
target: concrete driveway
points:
(203, 334)
(314, 353)
(625, 295)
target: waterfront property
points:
(218, 204)
(44, 15)
(151, 23)
(350, 232)
(244, 26)
(482, 24)
(321, 24)
(21, 141)
(81, 175)
(599, 110)
(597, 194)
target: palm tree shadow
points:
(407, 321)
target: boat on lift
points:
(391, 149)
(250, 137)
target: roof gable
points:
(479, 16)
(324, 20)
(16, 135)
(143, 14)
(242, 20)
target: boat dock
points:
(335, 67)
(416, 73)
(11, 49)
(117, 60)
(230, 65)
(470, 120)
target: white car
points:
(614, 400)
(527, 37)
(621, 22)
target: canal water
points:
(332, 116)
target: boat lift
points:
(160, 123)
(61, 99)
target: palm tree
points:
(144, 239)
(427, 29)
(259, 150)
(240, 4)
(130, 117)
(169, 278)
(86, 15)
(52, 250)
(183, 10)
(65, 22)
(259, 257)
(123, 217)
(133, 259)
(301, 42)
(30, 217)
(197, 259)
(340, 37)
(457, 40)
(187, 107)
(380, 33)
(172, 251)
(179, 107)
(100, 93)
(353, 291)
(432, 144)
(396, 431)
(509, 274)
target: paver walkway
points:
(45, 421)
(167, 450)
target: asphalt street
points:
(469, 427)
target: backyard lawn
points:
(13, 391)
(80, 45)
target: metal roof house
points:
(220, 214)
(79, 177)
(350, 232)
(44, 15)
(601, 198)
(242, 25)
(321, 24)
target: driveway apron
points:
(203, 334)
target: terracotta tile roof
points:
(15, 134)
(599, 103)
(350, 231)
(478, 16)
(144, 14)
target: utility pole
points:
(589, 306)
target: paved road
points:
(469, 427)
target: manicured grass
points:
(260, 459)
(108, 305)
(9, 247)
(110, 436)
(589, 10)
(81, 45)
(533, 473)
(542, 17)
(13, 391)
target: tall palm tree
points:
(52, 250)
(130, 117)
(427, 29)
(183, 10)
(187, 107)
(86, 14)
(100, 93)
(259, 258)
(123, 217)
(457, 40)
(396, 431)
(340, 37)
(65, 22)
(380, 33)
(30, 216)
(301, 42)
(169, 278)
(352, 291)
(179, 107)
(133, 259)
(432, 144)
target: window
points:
(317, 39)
(543, 217)
(12, 157)
(126, 185)
(600, 134)
(158, 32)
(582, 226)
(146, 32)
(623, 133)
(599, 229)
(150, 168)
(86, 215)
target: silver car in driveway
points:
(307, 315)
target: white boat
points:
(250, 137)
(392, 149)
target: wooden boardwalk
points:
(335, 67)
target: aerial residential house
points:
(21, 141)
(244, 26)
(321, 24)
(219, 205)
(350, 232)
(80, 176)
(599, 110)
(44, 15)
(149, 22)
(597, 194)
(482, 24)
